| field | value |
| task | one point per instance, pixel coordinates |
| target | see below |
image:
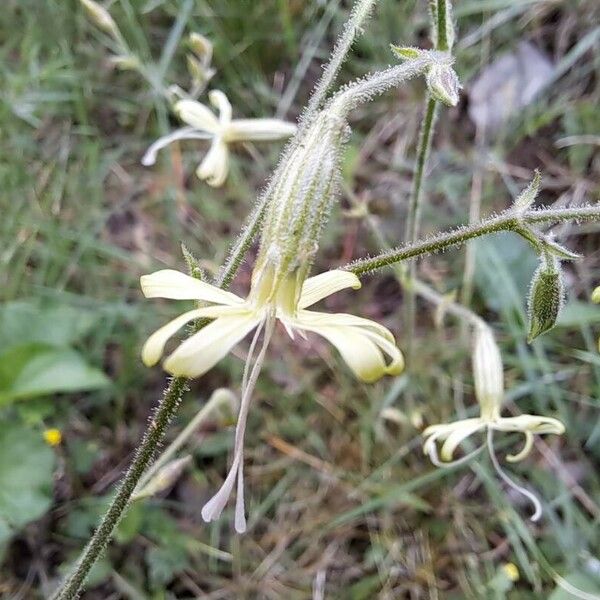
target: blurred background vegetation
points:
(342, 502)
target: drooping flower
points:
(203, 124)
(489, 391)
(363, 344)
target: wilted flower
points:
(203, 124)
(489, 390)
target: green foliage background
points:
(351, 496)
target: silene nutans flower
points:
(489, 391)
(299, 199)
(203, 124)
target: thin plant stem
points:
(414, 213)
(143, 457)
(153, 436)
(440, 35)
(506, 221)
(352, 28)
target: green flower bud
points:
(545, 297)
(596, 295)
(443, 84)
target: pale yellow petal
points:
(524, 452)
(362, 346)
(320, 319)
(462, 430)
(258, 130)
(154, 346)
(533, 423)
(197, 115)
(213, 169)
(175, 285)
(325, 284)
(219, 100)
(204, 349)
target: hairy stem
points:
(414, 211)
(439, 32)
(507, 221)
(143, 457)
(352, 28)
(154, 435)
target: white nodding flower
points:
(202, 123)
(489, 391)
(367, 347)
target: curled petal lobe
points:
(203, 350)
(325, 284)
(213, 169)
(259, 130)
(362, 347)
(197, 115)
(175, 285)
(524, 452)
(154, 346)
(219, 100)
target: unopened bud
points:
(545, 297)
(202, 47)
(199, 71)
(488, 373)
(596, 295)
(443, 84)
(101, 17)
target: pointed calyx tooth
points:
(527, 197)
(546, 297)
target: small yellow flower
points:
(52, 437)
(511, 571)
(203, 124)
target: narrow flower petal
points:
(258, 130)
(197, 115)
(361, 342)
(185, 133)
(154, 346)
(318, 319)
(219, 100)
(212, 510)
(533, 423)
(175, 285)
(462, 430)
(204, 349)
(213, 169)
(325, 284)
